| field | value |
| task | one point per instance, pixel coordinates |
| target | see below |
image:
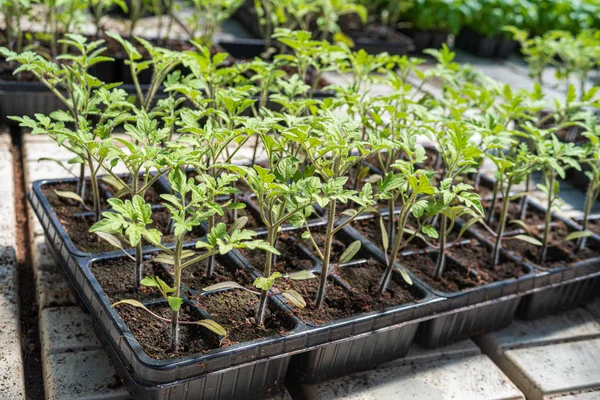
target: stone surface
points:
(80, 376)
(65, 329)
(553, 369)
(474, 377)
(418, 354)
(572, 325)
(12, 385)
(595, 395)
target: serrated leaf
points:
(212, 326)
(69, 195)
(222, 286)
(350, 252)
(301, 275)
(528, 239)
(295, 298)
(578, 235)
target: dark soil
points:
(560, 252)
(472, 270)
(234, 310)
(292, 257)
(366, 281)
(370, 228)
(155, 336)
(341, 303)
(116, 277)
(77, 226)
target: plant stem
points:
(95, 189)
(139, 270)
(441, 260)
(495, 255)
(262, 306)
(589, 196)
(490, 218)
(524, 201)
(547, 219)
(210, 268)
(177, 293)
(81, 181)
(385, 281)
(326, 256)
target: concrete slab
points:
(65, 329)
(572, 325)
(81, 376)
(53, 289)
(474, 377)
(418, 354)
(595, 395)
(553, 369)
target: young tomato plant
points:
(333, 147)
(556, 157)
(283, 197)
(591, 158)
(208, 15)
(186, 215)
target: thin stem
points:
(385, 281)
(177, 293)
(262, 306)
(139, 269)
(441, 260)
(547, 219)
(495, 255)
(586, 211)
(326, 257)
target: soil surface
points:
(234, 310)
(471, 270)
(363, 281)
(77, 223)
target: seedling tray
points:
(57, 235)
(484, 310)
(247, 17)
(481, 46)
(351, 354)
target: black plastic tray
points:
(351, 354)
(248, 19)
(481, 46)
(482, 309)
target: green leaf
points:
(69, 195)
(528, 239)
(385, 240)
(404, 275)
(578, 235)
(301, 275)
(111, 239)
(150, 282)
(175, 302)
(430, 231)
(212, 326)
(350, 252)
(520, 223)
(134, 303)
(294, 297)
(468, 224)
(222, 286)
(165, 259)
(238, 224)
